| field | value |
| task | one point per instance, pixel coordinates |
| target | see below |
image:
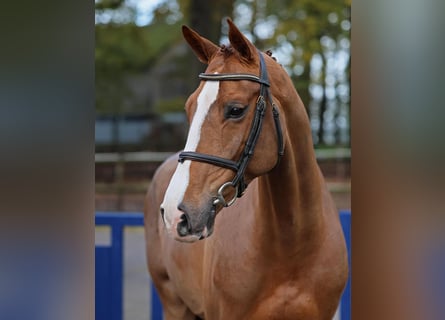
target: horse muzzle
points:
(191, 225)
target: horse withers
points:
(240, 225)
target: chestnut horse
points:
(277, 252)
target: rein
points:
(240, 166)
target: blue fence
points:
(109, 268)
(345, 304)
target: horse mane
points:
(269, 53)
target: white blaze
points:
(180, 180)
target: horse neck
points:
(290, 196)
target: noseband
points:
(240, 166)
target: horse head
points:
(234, 134)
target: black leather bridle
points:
(240, 166)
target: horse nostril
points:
(162, 213)
(183, 227)
(181, 207)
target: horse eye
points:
(234, 112)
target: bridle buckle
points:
(220, 197)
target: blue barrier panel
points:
(345, 304)
(156, 305)
(104, 282)
(109, 268)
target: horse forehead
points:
(193, 100)
(204, 100)
(223, 63)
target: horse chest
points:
(234, 278)
(285, 302)
(234, 266)
(254, 297)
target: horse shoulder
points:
(159, 184)
(154, 232)
(153, 199)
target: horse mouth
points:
(187, 232)
(190, 238)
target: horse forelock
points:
(226, 50)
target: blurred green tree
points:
(298, 32)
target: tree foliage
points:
(295, 30)
(123, 50)
(302, 30)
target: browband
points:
(233, 76)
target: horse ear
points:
(240, 42)
(203, 48)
